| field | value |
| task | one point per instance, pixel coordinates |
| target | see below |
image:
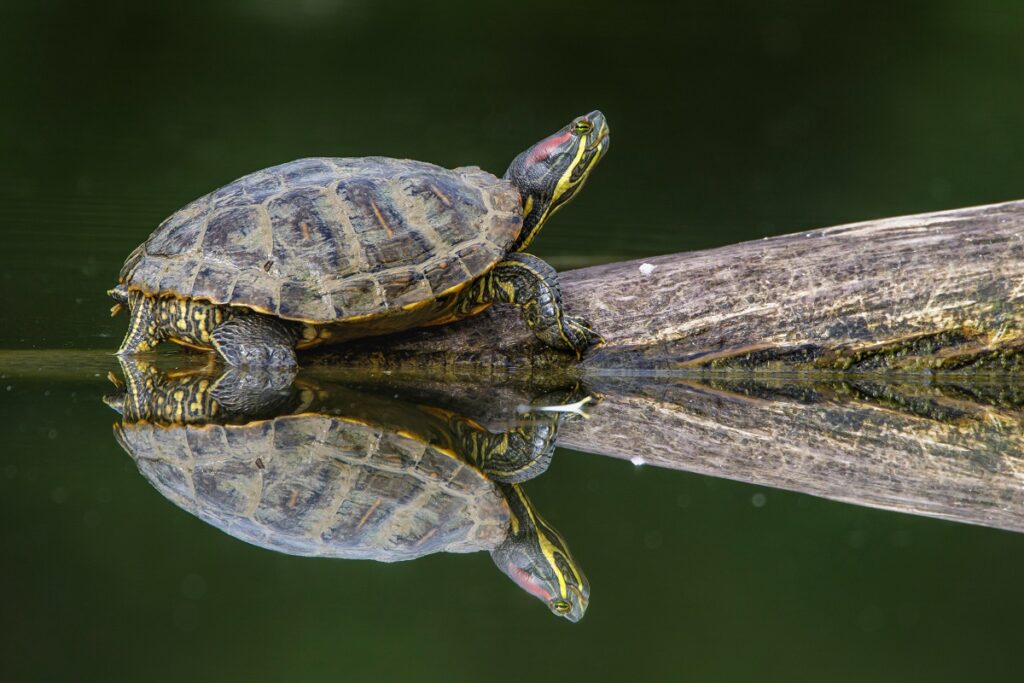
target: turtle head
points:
(536, 557)
(551, 172)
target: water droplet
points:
(647, 268)
(758, 500)
(637, 460)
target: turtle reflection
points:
(336, 471)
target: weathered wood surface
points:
(940, 290)
(952, 451)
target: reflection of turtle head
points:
(536, 557)
(332, 471)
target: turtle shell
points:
(330, 240)
(322, 486)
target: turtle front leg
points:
(531, 284)
(144, 330)
(256, 341)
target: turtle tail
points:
(119, 294)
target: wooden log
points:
(940, 291)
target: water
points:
(731, 122)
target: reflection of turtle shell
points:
(323, 486)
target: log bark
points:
(939, 292)
(948, 450)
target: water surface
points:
(731, 122)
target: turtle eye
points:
(561, 606)
(583, 126)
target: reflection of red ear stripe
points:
(528, 583)
(543, 149)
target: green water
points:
(731, 121)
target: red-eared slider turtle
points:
(325, 250)
(346, 473)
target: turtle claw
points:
(581, 335)
(575, 408)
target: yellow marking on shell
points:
(407, 435)
(427, 536)
(355, 421)
(441, 195)
(454, 288)
(446, 451)
(436, 412)
(304, 226)
(376, 504)
(380, 219)
(309, 332)
(361, 316)
(417, 304)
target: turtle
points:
(322, 250)
(345, 473)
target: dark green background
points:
(730, 120)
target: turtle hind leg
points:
(144, 329)
(256, 341)
(531, 284)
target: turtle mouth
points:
(602, 138)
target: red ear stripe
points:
(528, 583)
(543, 149)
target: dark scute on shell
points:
(259, 289)
(357, 296)
(214, 282)
(177, 235)
(297, 298)
(404, 287)
(445, 273)
(475, 257)
(448, 205)
(307, 231)
(179, 278)
(240, 236)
